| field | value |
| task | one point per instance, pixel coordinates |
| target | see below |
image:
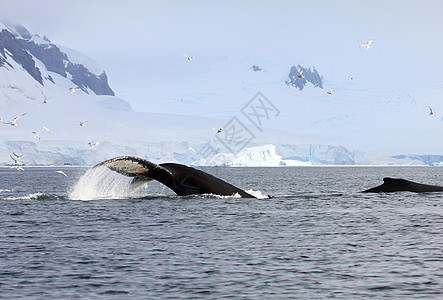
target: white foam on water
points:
(257, 194)
(236, 195)
(102, 183)
(34, 196)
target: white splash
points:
(102, 183)
(34, 196)
(236, 195)
(257, 194)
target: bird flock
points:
(17, 159)
(366, 45)
(190, 58)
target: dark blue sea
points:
(86, 236)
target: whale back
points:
(400, 184)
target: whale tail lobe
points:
(183, 180)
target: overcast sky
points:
(139, 43)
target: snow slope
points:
(110, 121)
(369, 116)
(175, 133)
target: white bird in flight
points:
(218, 129)
(301, 74)
(36, 135)
(192, 149)
(83, 123)
(46, 129)
(431, 112)
(330, 92)
(61, 172)
(16, 155)
(367, 44)
(45, 101)
(13, 123)
(190, 58)
(16, 160)
(92, 145)
(73, 90)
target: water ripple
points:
(310, 241)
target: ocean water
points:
(87, 236)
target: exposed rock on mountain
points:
(23, 46)
(308, 76)
(9, 43)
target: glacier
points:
(260, 156)
(302, 155)
(174, 133)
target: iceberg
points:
(295, 163)
(260, 156)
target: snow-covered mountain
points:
(36, 78)
(18, 43)
(300, 76)
(363, 113)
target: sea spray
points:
(33, 196)
(257, 194)
(102, 183)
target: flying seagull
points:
(16, 155)
(190, 58)
(36, 135)
(330, 92)
(73, 90)
(92, 145)
(83, 123)
(301, 74)
(192, 149)
(13, 123)
(431, 112)
(61, 172)
(218, 129)
(44, 101)
(16, 160)
(367, 44)
(46, 129)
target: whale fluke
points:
(183, 180)
(398, 184)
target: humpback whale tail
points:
(183, 180)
